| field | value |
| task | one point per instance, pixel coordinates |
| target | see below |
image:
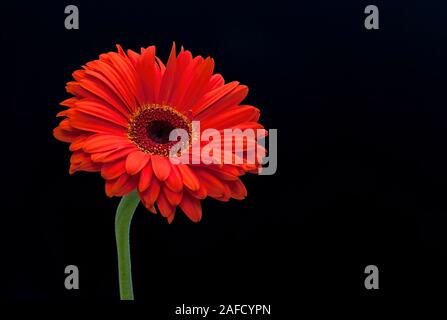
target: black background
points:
(362, 126)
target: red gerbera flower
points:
(118, 122)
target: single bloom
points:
(124, 106)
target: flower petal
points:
(105, 142)
(232, 98)
(161, 166)
(151, 194)
(231, 117)
(112, 170)
(198, 84)
(214, 187)
(166, 209)
(238, 190)
(149, 75)
(91, 123)
(124, 185)
(145, 177)
(148, 206)
(175, 180)
(189, 178)
(136, 161)
(112, 155)
(191, 207)
(215, 82)
(173, 197)
(100, 110)
(168, 77)
(213, 96)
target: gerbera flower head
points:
(123, 109)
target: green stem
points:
(123, 219)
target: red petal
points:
(171, 218)
(216, 81)
(168, 77)
(199, 83)
(78, 143)
(100, 110)
(86, 166)
(102, 74)
(189, 178)
(126, 73)
(91, 123)
(212, 184)
(136, 161)
(231, 117)
(104, 142)
(161, 166)
(173, 197)
(174, 180)
(238, 190)
(191, 207)
(213, 96)
(149, 75)
(225, 172)
(112, 170)
(232, 98)
(64, 132)
(80, 157)
(112, 155)
(166, 209)
(145, 178)
(184, 60)
(124, 185)
(201, 193)
(70, 102)
(151, 194)
(92, 88)
(251, 125)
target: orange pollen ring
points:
(149, 128)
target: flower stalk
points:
(123, 219)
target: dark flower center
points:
(159, 131)
(151, 125)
